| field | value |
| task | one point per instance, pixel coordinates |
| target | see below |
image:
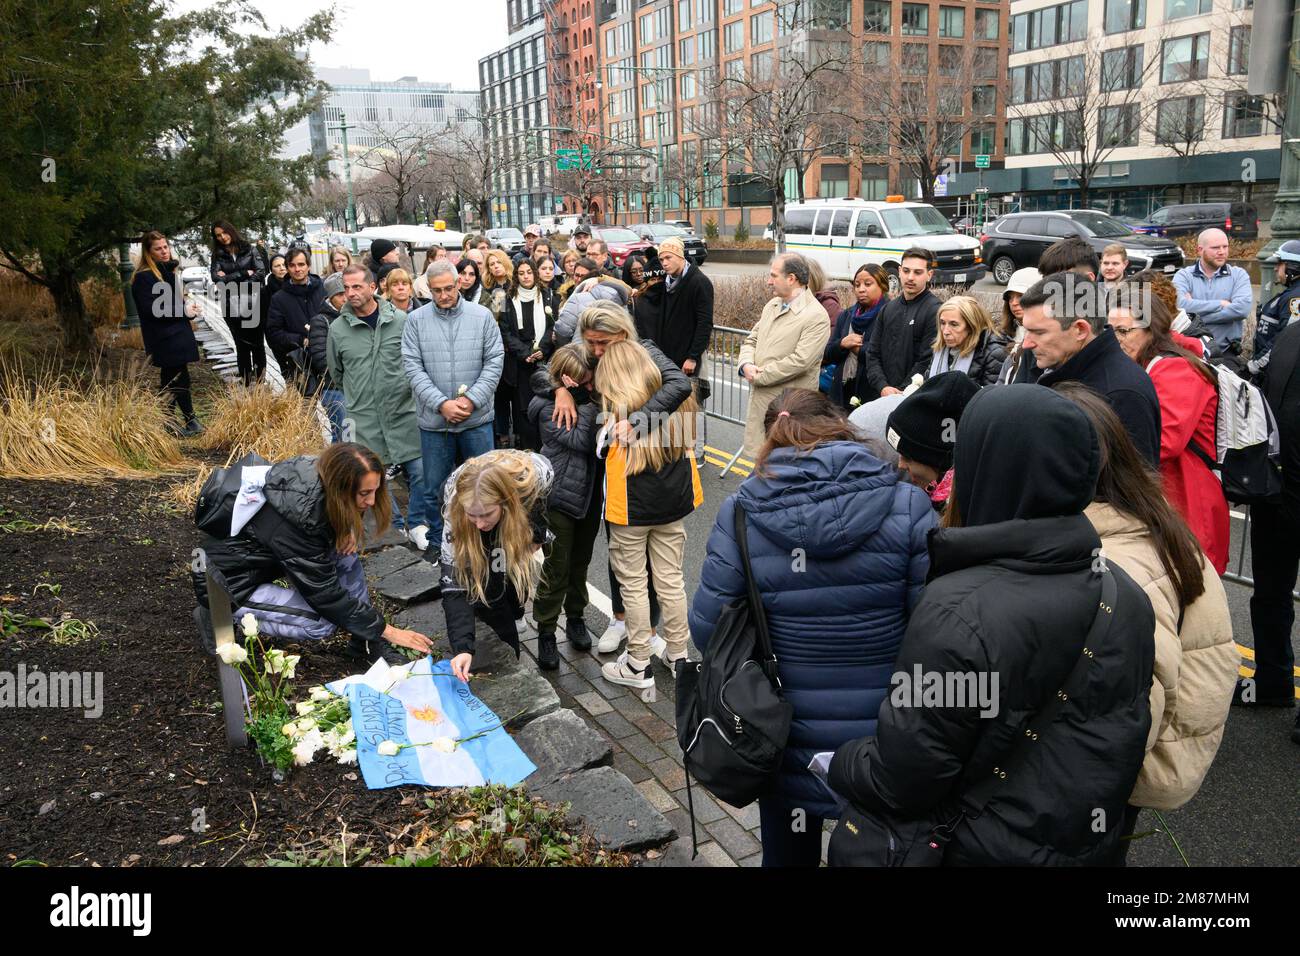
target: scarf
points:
(946, 360)
(860, 320)
(528, 296)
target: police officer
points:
(1282, 309)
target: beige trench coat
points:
(787, 346)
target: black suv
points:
(1017, 240)
(1239, 220)
(657, 232)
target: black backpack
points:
(732, 722)
(216, 502)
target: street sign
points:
(568, 160)
(981, 160)
(982, 190)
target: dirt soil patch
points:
(127, 787)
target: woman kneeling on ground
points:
(308, 530)
(493, 521)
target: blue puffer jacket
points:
(837, 542)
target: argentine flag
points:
(423, 708)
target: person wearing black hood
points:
(239, 268)
(384, 258)
(1066, 332)
(1022, 606)
(289, 323)
(923, 430)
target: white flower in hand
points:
(232, 653)
(462, 390)
(443, 745)
(389, 748)
(249, 624)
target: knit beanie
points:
(924, 426)
(333, 284)
(673, 244)
(380, 248)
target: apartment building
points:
(1158, 85)
(657, 60)
(373, 108)
(515, 114)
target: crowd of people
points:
(1029, 498)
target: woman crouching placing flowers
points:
(308, 531)
(494, 520)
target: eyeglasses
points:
(1121, 332)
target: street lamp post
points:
(343, 127)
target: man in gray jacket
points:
(453, 354)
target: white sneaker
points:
(625, 672)
(419, 536)
(658, 648)
(612, 637)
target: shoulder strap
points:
(978, 796)
(755, 599)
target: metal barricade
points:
(729, 392)
(1239, 575)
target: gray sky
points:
(438, 41)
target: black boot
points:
(575, 631)
(548, 656)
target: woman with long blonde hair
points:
(967, 342)
(651, 484)
(493, 521)
(340, 259)
(498, 275)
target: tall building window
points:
(760, 28)
(1121, 69)
(916, 19)
(834, 182)
(733, 37)
(1123, 15)
(1180, 120)
(987, 26)
(876, 53)
(1239, 51)
(1118, 125)
(683, 14)
(875, 16)
(1177, 9)
(952, 22)
(1243, 115)
(1185, 58)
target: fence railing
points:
(728, 391)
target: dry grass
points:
(57, 427)
(1237, 248)
(254, 419)
(113, 337)
(24, 301)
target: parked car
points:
(842, 234)
(682, 224)
(1239, 220)
(509, 239)
(656, 232)
(620, 241)
(1016, 241)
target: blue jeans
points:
(416, 502)
(331, 400)
(443, 451)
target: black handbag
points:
(732, 722)
(878, 838)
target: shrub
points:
(255, 419)
(710, 229)
(742, 233)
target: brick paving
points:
(646, 751)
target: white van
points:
(842, 234)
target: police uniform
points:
(1274, 315)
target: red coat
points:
(1188, 406)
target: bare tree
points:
(467, 159)
(325, 199)
(921, 110)
(776, 119)
(1084, 105)
(396, 159)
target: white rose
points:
(307, 724)
(306, 748)
(320, 694)
(290, 729)
(389, 748)
(304, 708)
(232, 653)
(290, 664)
(348, 756)
(443, 745)
(249, 624)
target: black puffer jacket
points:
(248, 264)
(291, 311)
(1011, 596)
(318, 341)
(290, 537)
(987, 359)
(571, 451)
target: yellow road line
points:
(1249, 654)
(726, 456)
(723, 464)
